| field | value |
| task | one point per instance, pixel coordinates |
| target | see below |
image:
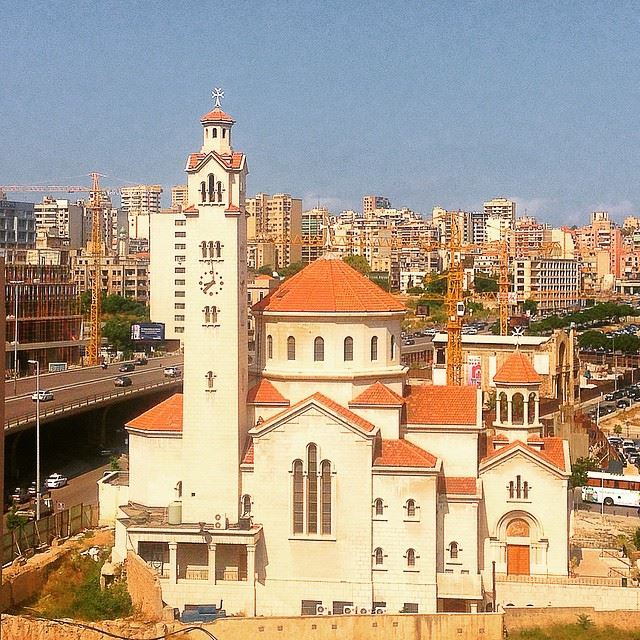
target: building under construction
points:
(42, 303)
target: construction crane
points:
(95, 206)
(30, 188)
(455, 306)
(503, 287)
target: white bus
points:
(611, 489)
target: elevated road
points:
(83, 389)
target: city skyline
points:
(539, 100)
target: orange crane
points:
(30, 188)
(455, 305)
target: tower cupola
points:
(217, 127)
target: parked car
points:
(127, 366)
(171, 372)
(609, 397)
(122, 381)
(140, 361)
(623, 403)
(55, 481)
(408, 341)
(19, 494)
(44, 395)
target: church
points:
(317, 479)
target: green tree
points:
(579, 471)
(359, 263)
(292, 269)
(14, 521)
(484, 283)
(531, 306)
(117, 331)
(265, 270)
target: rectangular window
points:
(179, 282)
(179, 329)
(180, 223)
(178, 305)
(179, 246)
(179, 270)
(178, 318)
(180, 234)
(178, 294)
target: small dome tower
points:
(217, 127)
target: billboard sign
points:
(474, 371)
(147, 332)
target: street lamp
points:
(15, 284)
(37, 363)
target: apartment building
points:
(554, 283)
(65, 219)
(276, 219)
(179, 197)
(17, 229)
(527, 238)
(502, 209)
(372, 203)
(139, 203)
(314, 222)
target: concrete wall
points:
(143, 585)
(529, 618)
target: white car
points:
(44, 395)
(171, 372)
(55, 481)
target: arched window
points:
(411, 508)
(318, 349)
(203, 192)
(219, 191)
(411, 558)
(291, 348)
(246, 505)
(325, 497)
(269, 347)
(378, 506)
(374, 348)
(453, 550)
(393, 347)
(348, 349)
(298, 497)
(214, 132)
(218, 248)
(224, 131)
(211, 187)
(312, 488)
(379, 557)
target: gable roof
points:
(517, 369)
(165, 417)
(402, 453)
(433, 404)
(377, 394)
(265, 393)
(233, 160)
(248, 454)
(552, 451)
(329, 285)
(343, 412)
(458, 485)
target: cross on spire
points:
(217, 94)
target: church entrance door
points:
(518, 563)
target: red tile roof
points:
(190, 209)
(349, 416)
(401, 453)
(195, 159)
(457, 485)
(265, 393)
(431, 404)
(166, 416)
(248, 454)
(231, 160)
(217, 115)
(329, 286)
(552, 451)
(378, 394)
(232, 207)
(517, 369)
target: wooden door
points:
(518, 560)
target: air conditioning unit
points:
(380, 610)
(363, 610)
(220, 521)
(349, 610)
(321, 610)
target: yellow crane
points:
(95, 206)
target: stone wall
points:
(443, 626)
(144, 588)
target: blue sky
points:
(447, 103)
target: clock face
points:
(211, 282)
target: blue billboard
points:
(147, 332)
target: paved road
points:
(77, 384)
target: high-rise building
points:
(64, 219)
(142, 198)
(371, 203)
(503, 210)
(17, 229)
(179, 196)
(276, 219)
(314, 223)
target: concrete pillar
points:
(536, 415)
(498, 408)
(212, 563)
(473, 607)
(251, 574)
(173, 562)
(510, 410)
(525, 411)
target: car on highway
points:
(122, 381)
(33, 489)
(623, 403)
(44, 395)
(141, 360)
(126, 366)
(171, 372)
(55, 481)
